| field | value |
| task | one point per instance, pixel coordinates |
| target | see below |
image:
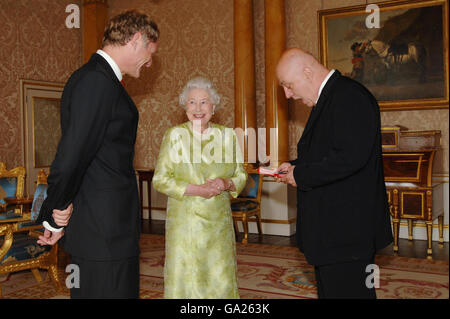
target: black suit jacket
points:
(93, 166)
(342, 204)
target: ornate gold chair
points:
(19, 249)
(248, 204)
(11, 187)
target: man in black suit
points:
(93, 167)
(343, 216)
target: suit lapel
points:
(106, 68)
(130, 101)
(312, 118)
(316, 110)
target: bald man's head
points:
(298, 57)
(301, 75)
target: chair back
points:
(11, 183)
(253, 187)
(39, 195)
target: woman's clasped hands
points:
(213, 187)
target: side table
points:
(145, 175)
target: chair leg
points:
(53, 268)
(245, 225)
(53, 273)
(429, 237)
(36, 274)
(141, 199)
(410, 229)
(441, 229)
(149, 198)
(236, 229)
(258, 222)
(396, 224)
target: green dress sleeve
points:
(239, 177)
(164, 179)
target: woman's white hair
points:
(199, 83)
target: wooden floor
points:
(412, 249)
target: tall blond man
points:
(93, 167)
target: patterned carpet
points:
(265, 271)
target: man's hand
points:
(289, 177)
(284, 167)
(62, 217)
(50, 238)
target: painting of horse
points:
(403, 61)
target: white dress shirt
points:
(323, 84)
(112, 63)
(117, 72)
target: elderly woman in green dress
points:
(199, 167)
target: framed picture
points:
(397, 49)
(41, 129)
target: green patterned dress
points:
(200, 260)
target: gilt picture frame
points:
(41, 130)
(403, 60)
